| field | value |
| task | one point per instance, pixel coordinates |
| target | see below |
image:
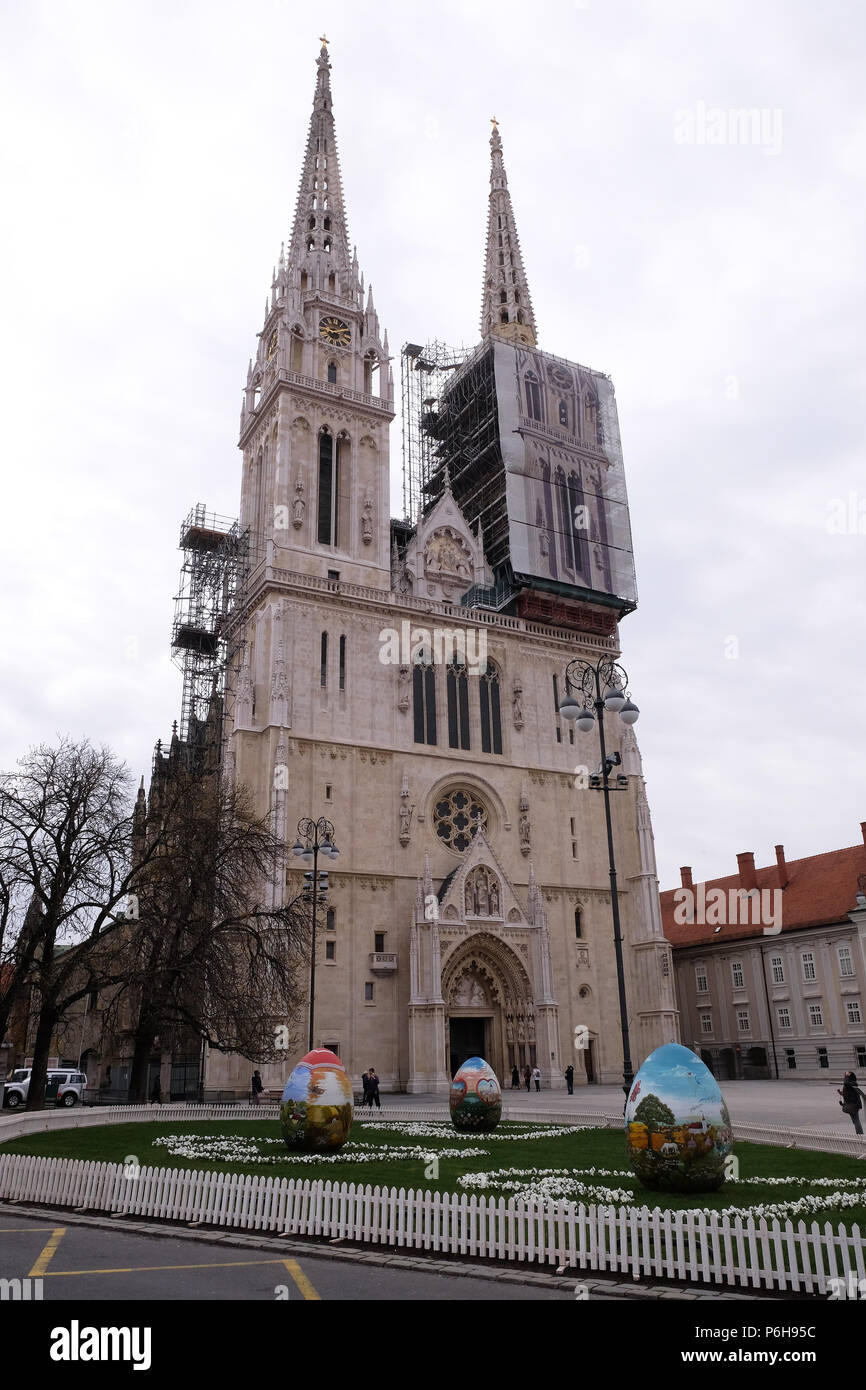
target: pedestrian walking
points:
(536, 1076)
(373, 1089)
(256, 1088)
(569, 1079)
(527, 1074)
(365, 1082)
(515, 1079)
(852, 1100)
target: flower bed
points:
(525, 1161)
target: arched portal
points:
(489, 1007)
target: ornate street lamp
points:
(592, 690)
(315, 837)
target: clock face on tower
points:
(334, 331)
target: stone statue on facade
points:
(516, 706)
(404, 677)
(299, 506)
(525, 831)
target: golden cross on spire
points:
(323, 40)
(494, 122)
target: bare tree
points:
(66, 869)
(210, 953)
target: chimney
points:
(863, 829)
(746, 866)
(686, 877)
(783, 868)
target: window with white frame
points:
(784, 1018)
(777, 970)
(852, 1007)
(743, 1024)
(846, 964)
(701, 979)
(808, 960)
(737, 974)
(706, 1023)
(816, 1015)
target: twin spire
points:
(320, 237)
(320, 234)
(506, 305)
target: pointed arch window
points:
(503, 317)
(323, 671)
(566, 527)
(563, 414)
(332, 373)
(533, 396)
(343, 662)
(503, 297)
(327, 224)
(578, 528)
(457, 684)
(327, 515)
(424, 702)
(297, 344)
(578, 925)
(491, 713)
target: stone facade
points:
(470, 908)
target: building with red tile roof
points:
(770, 964)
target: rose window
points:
(458, 816)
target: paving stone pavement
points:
(794, 1103)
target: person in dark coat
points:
(373, 1089)
(515, 1079)
(569, 1079)
(156, 1092)
(852, 1100)
(256, 1088)
(365, 1082)
(527, 1076)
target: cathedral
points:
(403, 678)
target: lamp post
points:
(314, 837)
(604, 687)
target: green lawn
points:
(389, 1154)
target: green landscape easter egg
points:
(678, 1131)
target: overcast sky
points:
(150, 160)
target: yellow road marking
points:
(19, 1230)
(148, 1269)
(44, 1260)
(302, 1281)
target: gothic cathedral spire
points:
(506, 305)
(320, 235)
(319, 393)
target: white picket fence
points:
(693, 1246)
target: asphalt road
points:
(89, 1263)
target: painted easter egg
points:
(475, 1099)
(316, 1107)
(677, 1127)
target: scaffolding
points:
(215, 564)
(424, 372)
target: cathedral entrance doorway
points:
(490, 1011)
(468, 1037)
